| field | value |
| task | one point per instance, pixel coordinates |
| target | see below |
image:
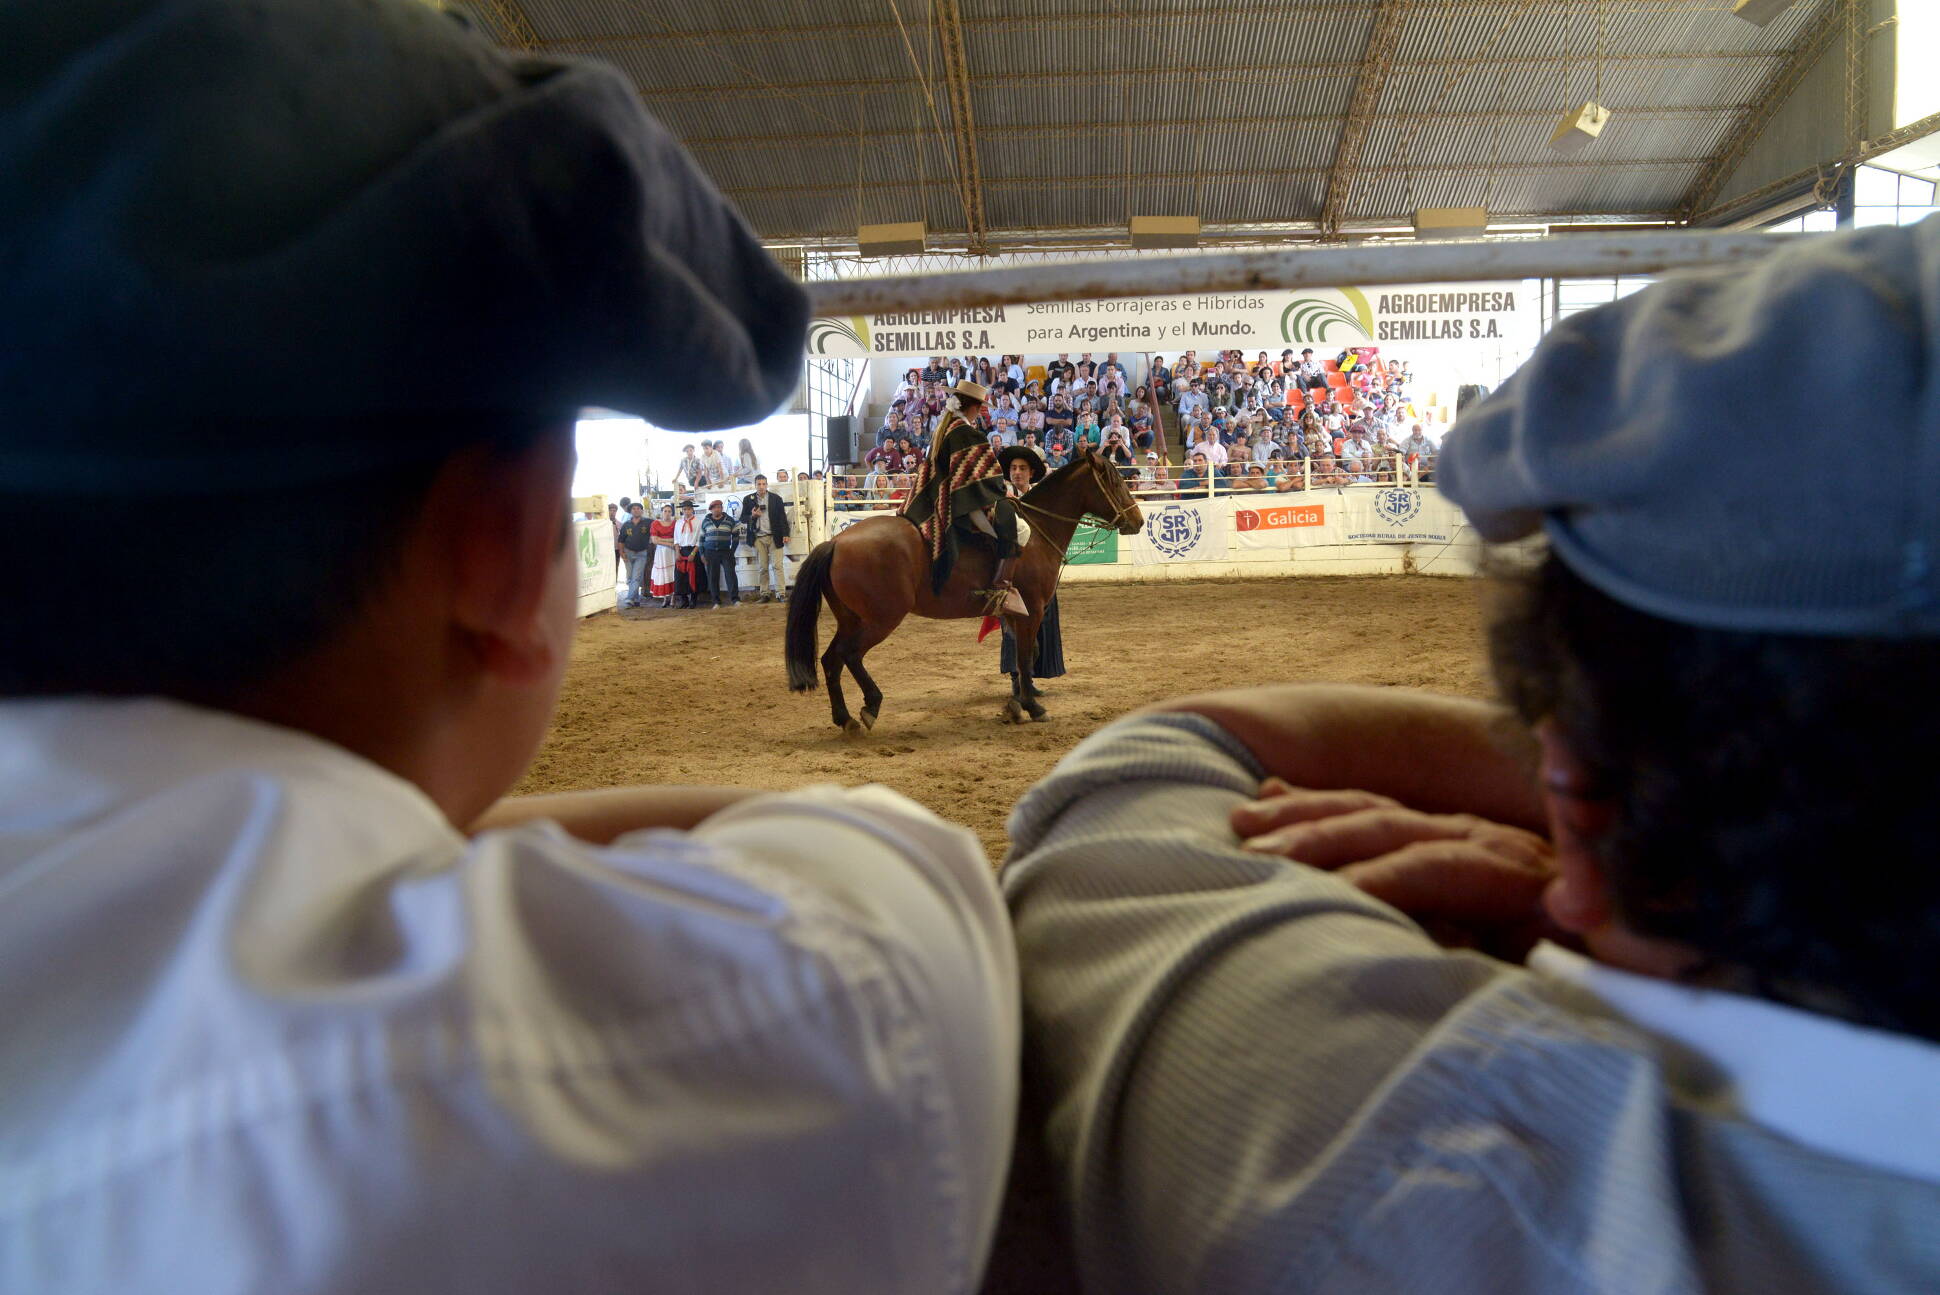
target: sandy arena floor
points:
(676, 697)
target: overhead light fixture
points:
(1760, 12)
(891, 240)
(1165, 231)
(1451, 222)
(1580, 128)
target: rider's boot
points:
(1003, 595)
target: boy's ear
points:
(505, 517)
(1578, 899)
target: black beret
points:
(250, 242)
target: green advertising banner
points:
(1092, 545)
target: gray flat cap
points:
(1753, 449)
(240, 238)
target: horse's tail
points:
(804, 605)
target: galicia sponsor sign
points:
(1284, 526)
(1275, 519)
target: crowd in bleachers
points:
(1296, 423)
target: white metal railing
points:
(1282, 476)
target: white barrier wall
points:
(1351, 530)
(593, 544)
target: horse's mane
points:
(1059, 474)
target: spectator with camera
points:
(765, 530)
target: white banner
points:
(1397, 515)
(1182, 532)
(1475, 315)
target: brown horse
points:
(878, 571)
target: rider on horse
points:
(960, 491)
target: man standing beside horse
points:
(1024, 468)
(960, 491)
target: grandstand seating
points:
(1238, 383)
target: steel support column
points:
(1377, 60)
(515, 30)
(963, 129)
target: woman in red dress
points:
(661, 580)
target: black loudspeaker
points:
(843, 430)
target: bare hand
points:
(1470, 882)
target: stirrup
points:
(1001, 600)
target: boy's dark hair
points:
(1761, 815)
(225, 590)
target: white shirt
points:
(1212, 449)
(1861, 1094)
(273, 1025)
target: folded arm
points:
(600, 816)
(1203, 1023)
(1441, 754)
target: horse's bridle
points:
(1123, 510)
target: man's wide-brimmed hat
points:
(971, 391)
(1012, 453)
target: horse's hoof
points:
(854, 728)
(1039, 714)
(868, 718)
(1013, 713)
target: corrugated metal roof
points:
(811, 114)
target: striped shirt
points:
(1259, 1078)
